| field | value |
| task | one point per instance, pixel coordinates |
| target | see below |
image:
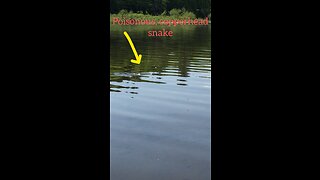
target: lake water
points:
(161, 109)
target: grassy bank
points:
(177, 14)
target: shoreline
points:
(162, 22)
(173, 16)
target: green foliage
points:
(123, 12)
(164, 13)
(173, 14)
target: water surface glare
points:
(161, 109)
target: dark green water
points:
(161, 109)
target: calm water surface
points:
(161, 109)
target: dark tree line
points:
(201, 8)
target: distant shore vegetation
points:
(176, 14)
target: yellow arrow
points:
(138, 58)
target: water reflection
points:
(180, 57)
(160, 109)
